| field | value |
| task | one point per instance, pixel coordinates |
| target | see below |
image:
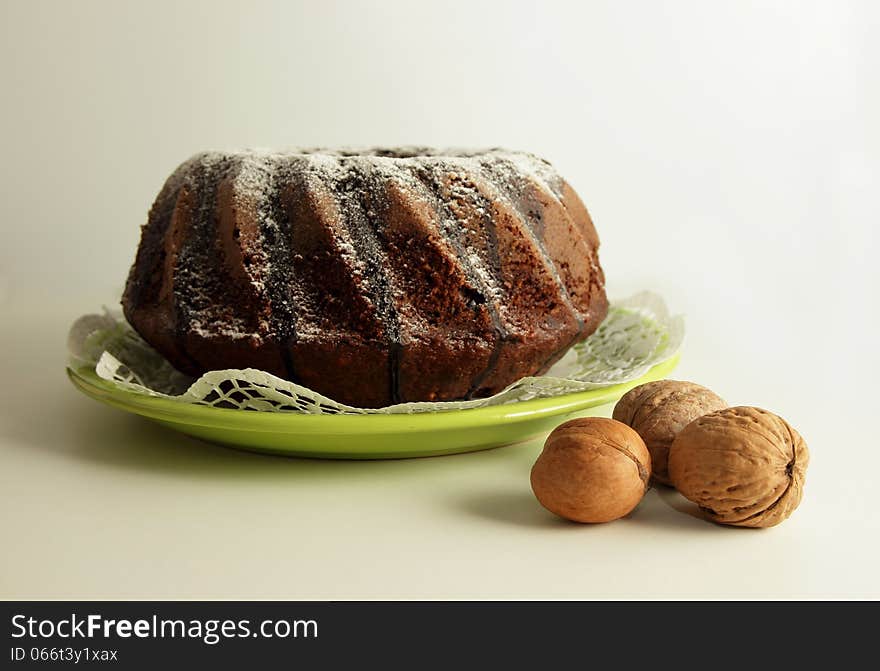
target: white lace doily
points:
(637, 334)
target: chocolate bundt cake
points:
(373, 277)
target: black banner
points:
(415, 634)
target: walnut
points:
(659, 410)
(592, 470)
(743, 466)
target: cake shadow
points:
(119, 440)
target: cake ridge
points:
(515, 191)
(483, 291)
(187, 290)
(353, 185)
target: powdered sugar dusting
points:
(348, 177)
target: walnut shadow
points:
(677, 502)
(515, 508)
(678, 511)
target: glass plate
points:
(362, 436)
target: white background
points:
(728, 153)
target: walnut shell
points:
(659, 410)
(743, 466)
(592, 470)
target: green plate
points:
(361, 436)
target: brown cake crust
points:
(373, 277)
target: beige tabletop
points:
(96, 503)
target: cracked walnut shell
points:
(743, 466)
(592, 470)
(659, 410)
